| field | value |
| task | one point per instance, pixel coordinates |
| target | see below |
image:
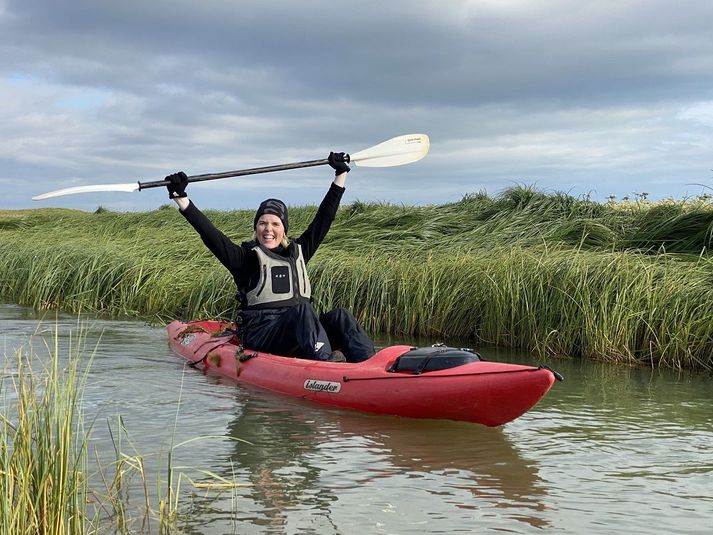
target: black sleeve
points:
(318, 228)
(232, 256)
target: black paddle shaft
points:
(242, 172)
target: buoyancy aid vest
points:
(283, 280)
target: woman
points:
(276, 314)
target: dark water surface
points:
(610, 450)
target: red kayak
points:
(434, 382)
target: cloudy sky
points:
(605, 97)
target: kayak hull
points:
(488, 393)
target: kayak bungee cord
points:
(557, 376)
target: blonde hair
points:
(284, 242)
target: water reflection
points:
(278, 463)
(605, 451)
(306, 458)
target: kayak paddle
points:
(395, 151)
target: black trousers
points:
(297, 331)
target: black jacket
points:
(241, 261)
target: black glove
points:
(177, 186)
(338, 161)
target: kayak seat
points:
(426, 359)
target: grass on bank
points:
(48, 484)
(43, 484)
(547, 273)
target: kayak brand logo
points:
(322, 386)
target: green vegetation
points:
(43, 482)
(46, 485)
(630, 282)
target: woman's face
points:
(269, 230)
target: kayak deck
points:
(487, 393)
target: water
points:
(610, 450)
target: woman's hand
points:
(177, 189)
(338, 161)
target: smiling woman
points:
(269, 227)
(276, 313)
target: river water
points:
(609, 450)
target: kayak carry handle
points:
(557, 374)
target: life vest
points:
(283, 280)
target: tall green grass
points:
(43, 468)
(48, 484)
(543, 272)
(613, 306)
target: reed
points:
(543, 272)
(614, 306)
(43, 469)
(46, 484)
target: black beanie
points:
(274, 207)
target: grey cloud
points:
(560, 92)
(407, 52)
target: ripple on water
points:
(606, 451)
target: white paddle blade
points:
(395, 151)
(132, 186)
